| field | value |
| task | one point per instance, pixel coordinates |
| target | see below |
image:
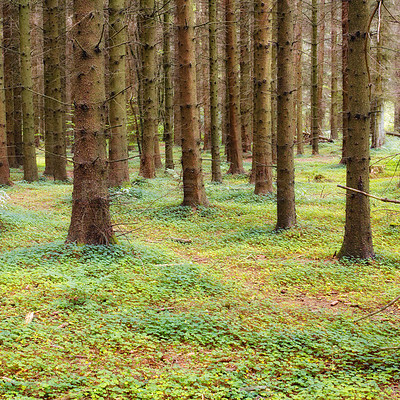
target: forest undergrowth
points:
(201, 304)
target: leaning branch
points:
(384, 199)
(380, 310)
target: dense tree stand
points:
(358, 236)
(90, 220)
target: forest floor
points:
(205, 304)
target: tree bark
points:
(193, 187)
(286, 211)
(30, 167)
(357, 241)
(321, 66)
(315, 131)
(262, 97)
(118, 148)
(90, 220)
(299, 77)
(334, 75)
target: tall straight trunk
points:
(10, 44)
(118, 149)
(274, 83)
(193, 187)
(345, 77)
(177, 94)
(148, 41)
(334, 75)
(357, 241)
(299, 77)
(321, 66)
(215, 135)
(56, 151)
(232, 64)
(4, 167)
(168, 91)
(90, 220)
(314, 79)
(246, 106)
(262, 97)
(30, 167)
(286, 211)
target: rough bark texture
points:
(30, 167)
(334, 75)
(298, 26)
(345, 76)
(286, 211)
(358, 236)
(315, 132)
(90, 220)
(168, 91)
(321, 65)
(193, 186)
(119, 171)
(148, 41)
(4, 167)
(54, 134)
(215, 135)
(262, 97)
(274, 82)
(232, 64)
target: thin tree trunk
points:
(334, 75)
(30, 167)
(315, 132)
(286, 211)
(234, 135)
(274, 83)
(119, 171)
(90, 220)
(321, 66)
(299, 77)
(358, 236)
(193, 187)
(215, 135)
(262, 97)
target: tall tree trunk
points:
(30, 167)
(234, 134)
(193, 187)
(314, 79)
(274, 83)
(286, 211)
(299, 77)
(246, 109)
(4, 167)
(168, 91)
(53, 91)
(262, 97)
(345, 77)
(358, 236)
(118, 151)
(148, 41)
(321, 66)
(334, 75)
(215, 136)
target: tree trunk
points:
(358, 236)
(215, 135)
(321, 65)
(119, 171)
(168, 91)
(262, 97)
(334, 75)
(90, 220)
(55, 147)
(286, 211)
(193, 187)
(4, 167)
(314, 79)
(345, 77)
(299, 77)
(274, 83)
(30, 167)
(148, 41)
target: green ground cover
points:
(204, 304)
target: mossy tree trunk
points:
(193, 187)
(90, 220)
(286, 211)
(262, 97)
(357, 241)
(29, 151)
(118, 148)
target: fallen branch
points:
(393, 134)
(384, 199)
(380, 310)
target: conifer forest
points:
(200, 199)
